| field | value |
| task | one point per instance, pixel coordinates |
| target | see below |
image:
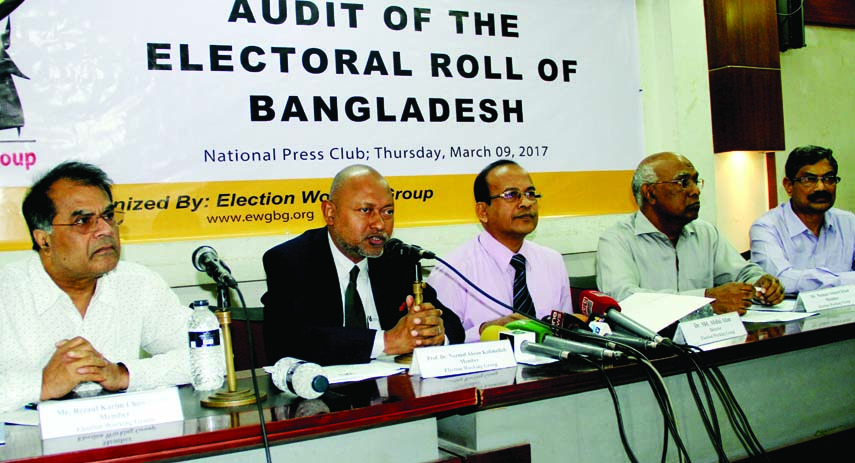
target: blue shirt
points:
(786, 248)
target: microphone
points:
(539, 349)
(597, 304)
(396, 246)
(205, 259)
(492, 333)
(544, 335)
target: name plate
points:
(61, 418)
(828, 298)
(710, 329)
(456, 359)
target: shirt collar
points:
(643, 226)
(498, 252)
(794, 224)
(343, 264)
(49, 294)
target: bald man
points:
(334, 297)
(664, 247)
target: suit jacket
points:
(303, 312)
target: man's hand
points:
(75, 361)
(502, 321)
(731, 297)
(773, 290)
(422, 326)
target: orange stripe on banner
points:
(204, 210)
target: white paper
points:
(436, 361)
(787, 305)
(22, 417)
(658, 310)
(766, 316)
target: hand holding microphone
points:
(421, 326)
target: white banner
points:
(187, 91)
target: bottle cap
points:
(320, 383)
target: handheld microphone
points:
(205, 259)
(539, 349)
(396, 246)
(597, 304)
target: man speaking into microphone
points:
(334, 297)
(500, 260)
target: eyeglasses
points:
(684, 182)
(811, 180)
(513, 196)
(86, 224)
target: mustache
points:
(819, 196)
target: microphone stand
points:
(418, 285)
(231, 397)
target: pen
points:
(32, 406)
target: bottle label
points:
(204, 338)
(289, 377)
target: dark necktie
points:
(522, 298)
(354, 314)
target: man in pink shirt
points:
(516, 271)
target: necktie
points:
(522, 298)
(354, 314)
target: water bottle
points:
(300, 378)
(207, 357)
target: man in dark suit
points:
(333, 297)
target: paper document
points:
(761, 315)
(787, 305)
(658, 310)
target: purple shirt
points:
(786, 248)
(487, 263)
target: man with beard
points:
(664, 247)
(520, 273)
(334, 297)
(805, 241)
(72, 316)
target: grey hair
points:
(643, 174)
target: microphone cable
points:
(473, 285)
(736, 416)
(657, 386)
(255, 391)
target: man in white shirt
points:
(74, 318)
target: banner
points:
(223, 118)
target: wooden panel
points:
(771, 180)
(747, 110)
(840, 13)
(742, 33)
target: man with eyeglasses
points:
(335, 297)
(500, 260)
(73, 318)
(664, 247)
(805, 241)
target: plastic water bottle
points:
(300, 378)
(207, 356)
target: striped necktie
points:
(522, 298)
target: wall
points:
(819, 102)
(676, 118)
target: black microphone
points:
(601, 305)
(205, 259)
(397, 247)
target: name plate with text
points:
(828, 298)
(456, 359)
(710, 329)
(61, 418)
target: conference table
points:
(794, 381)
